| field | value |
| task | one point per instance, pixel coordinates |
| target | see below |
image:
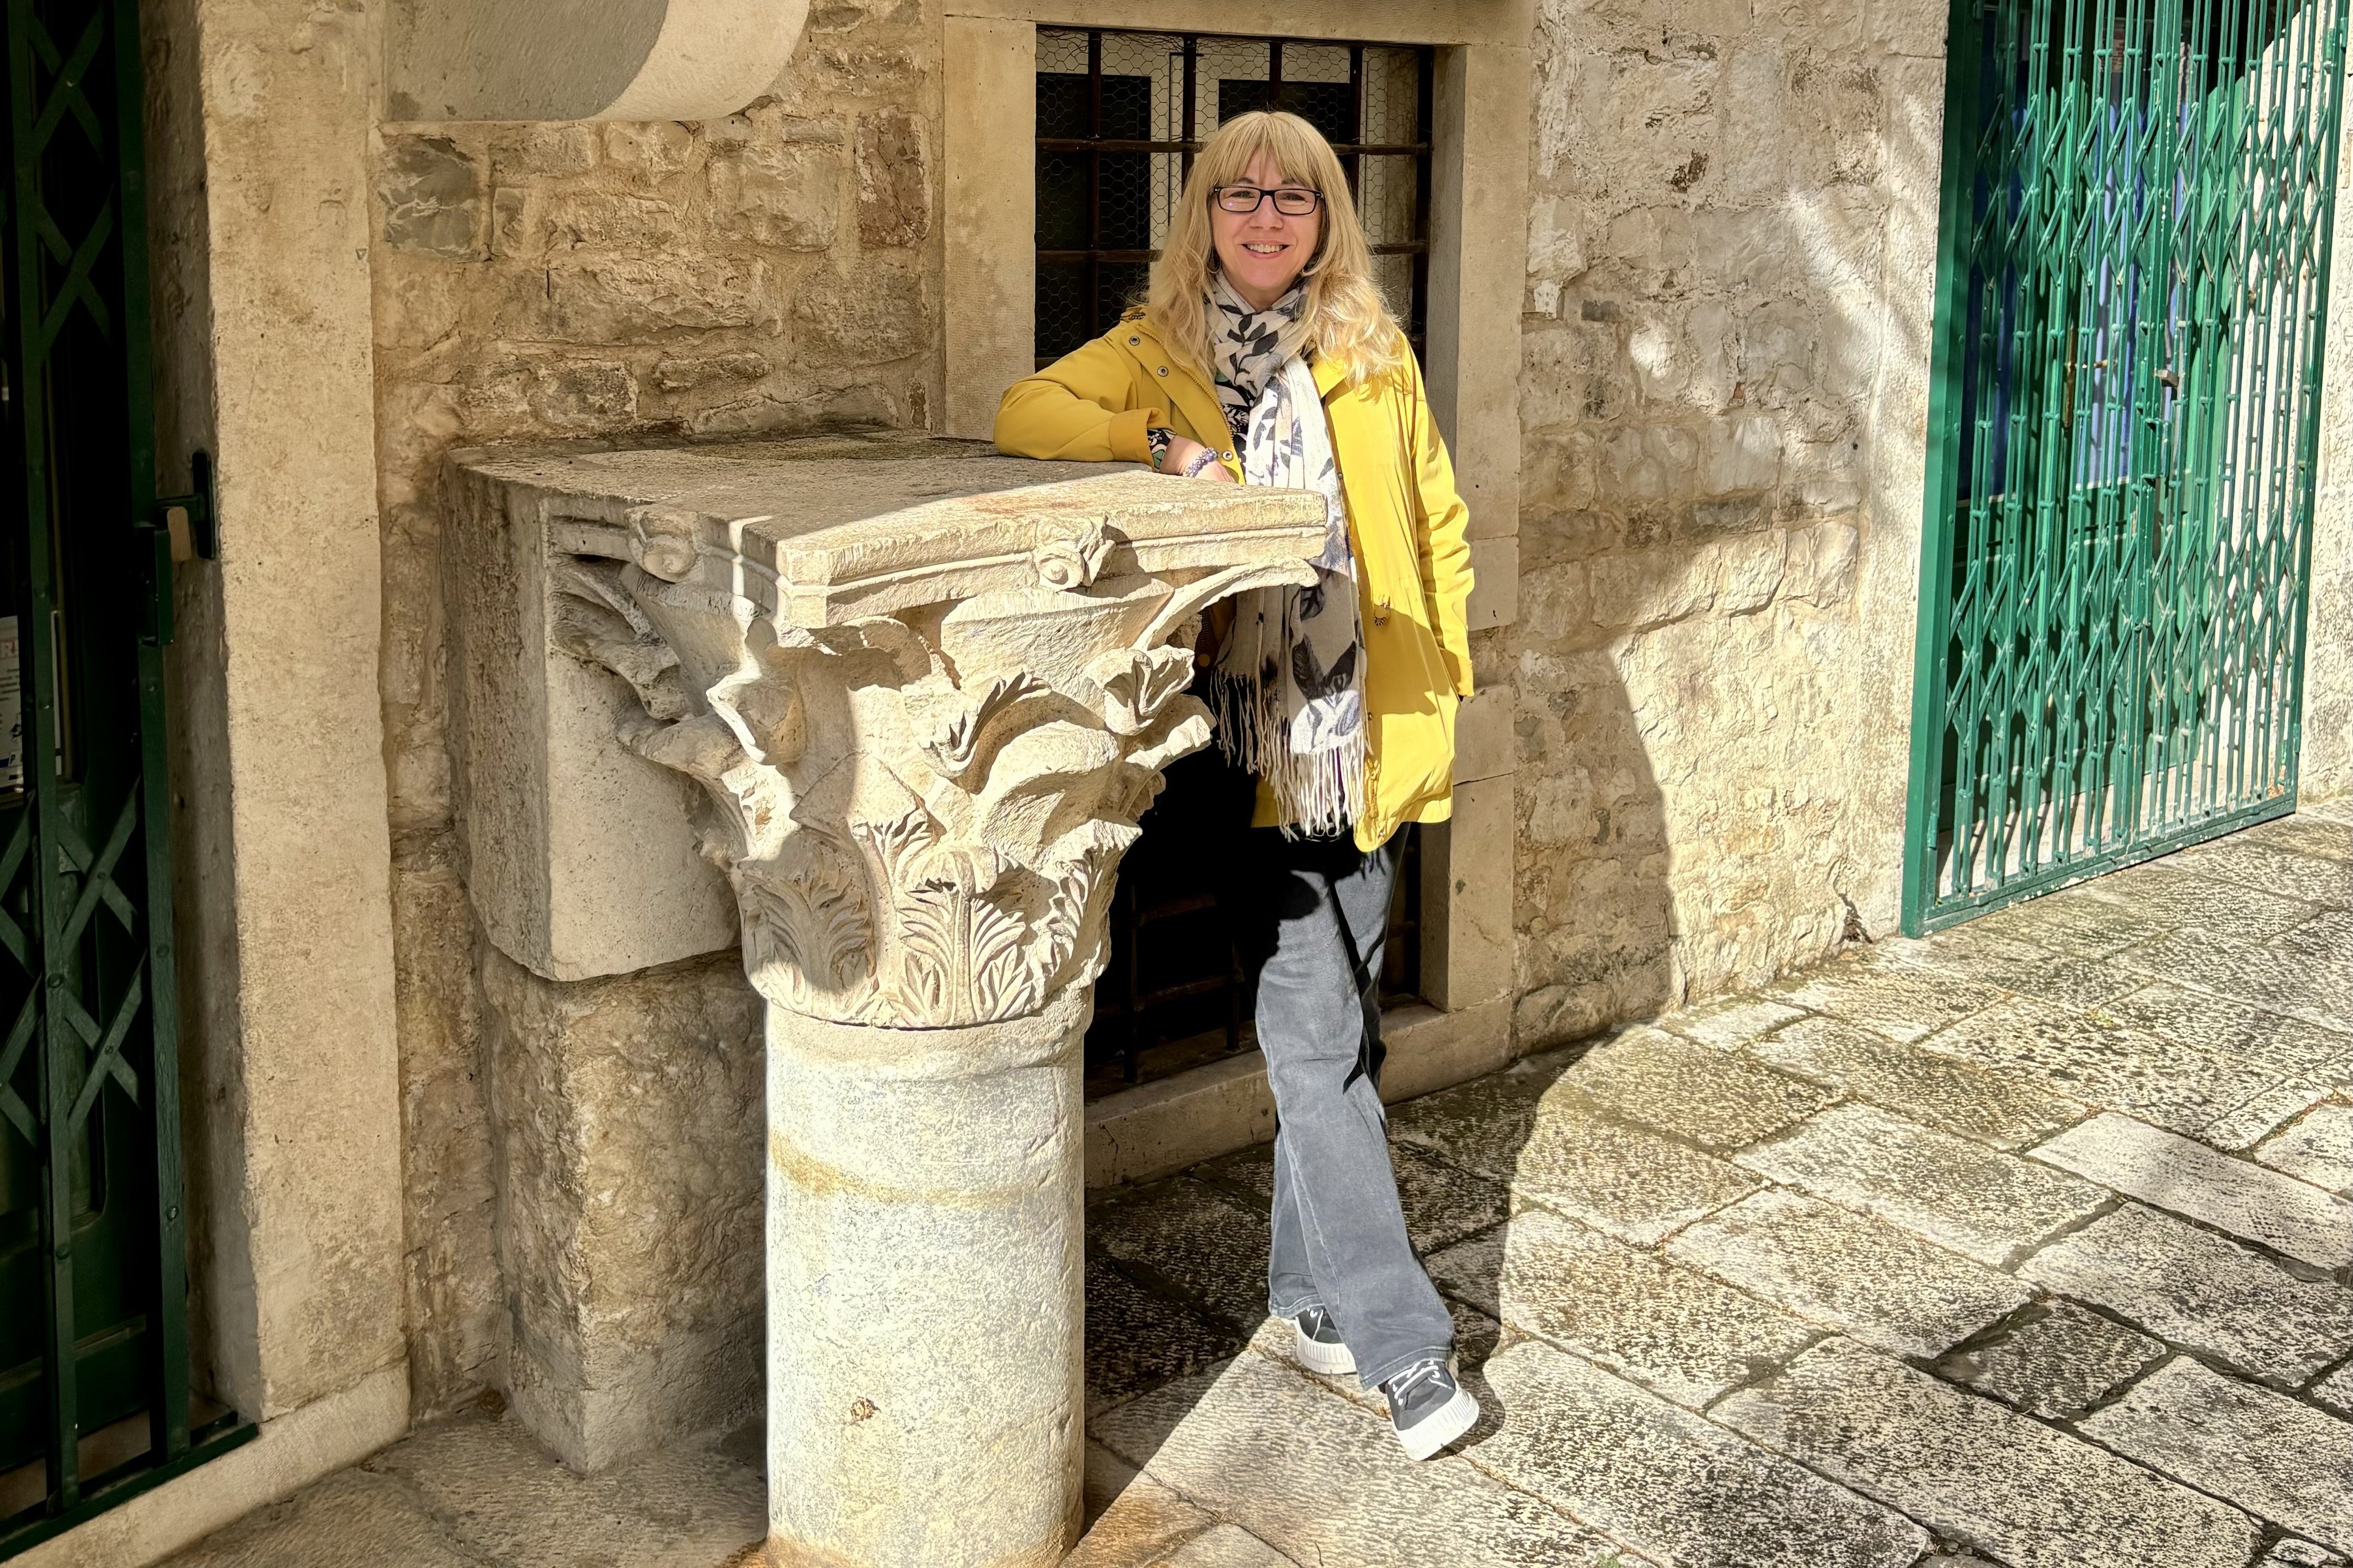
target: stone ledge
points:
(1155, 1128)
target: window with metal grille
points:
(1120, 116)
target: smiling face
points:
(1262, 253)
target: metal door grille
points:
(2123, 426)
(94, 1395)
(1120, 116)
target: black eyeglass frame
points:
(1314, 199)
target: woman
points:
(1265, 356)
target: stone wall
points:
(774, 271)
(1725, 334)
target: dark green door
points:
(2124, 422)
(93, 1331)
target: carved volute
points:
(926, 695)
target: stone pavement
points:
(2027, 1244)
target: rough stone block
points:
(1674, 1488)
(1272, 1450)
(628, 1113)
(876, 316)
(2278, 1459)
(893, 180)
(2066, 1051)
(2317, 1148)
(1673, 1331)
(1958, 1194)
(2203, 1292)
(1721, 1101)
(1919, 1083)
(1978, 1473)
(785, 197)
(2237, 1195)
(1856, 1274)
(2057, 1363)
(615, 300)
(431, 192)
(1903, 1004)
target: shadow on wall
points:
(1723, 400)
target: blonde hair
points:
(1344, 322)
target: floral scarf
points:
(1288, 687)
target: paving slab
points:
(2087, 1056)
(2317, 1148)
(1717, 1099)
(2171, 1172)
(1184, 1233)
(1902, 1004)
(1959, 1195)
(1848, 1271)
(2277, 1458)
(1133, 1521)
(1223, 1546)
(2306, 833)
(2059, 1363)
(349, 1518)
(2295, 1554)
(1920, 1084)
(1671, 1328)
(1674, 1487)
(1442, 1204)
(2203, 1292)
(2166, 893)
(2240, 1129)
(2075, 923)
(1139, 1339)
(1564, 1152)
(2238, 858)
(1732, 1024)
(1323, 1481)
(2336, 1390)
(497, 1493)
(2317, 988)
(1980, 1473)
(1972, 952)
(2224, 1025)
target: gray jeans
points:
(1309, 922)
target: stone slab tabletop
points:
(872, 522)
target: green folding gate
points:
(94, 1395)
(2124, 420)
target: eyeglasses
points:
(1289, 201)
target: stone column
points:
(926, 733)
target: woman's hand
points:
(1183, 450)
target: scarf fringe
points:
(1316, 796)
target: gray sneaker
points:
(1429, 1408)
(1320, 1347)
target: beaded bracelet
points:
(1199, 462)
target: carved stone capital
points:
(926, 696)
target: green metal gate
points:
(94, 1395)
(2124, 421)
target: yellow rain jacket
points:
(1413, 575)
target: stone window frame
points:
(1477, 276)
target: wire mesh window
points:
(1120, 116)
